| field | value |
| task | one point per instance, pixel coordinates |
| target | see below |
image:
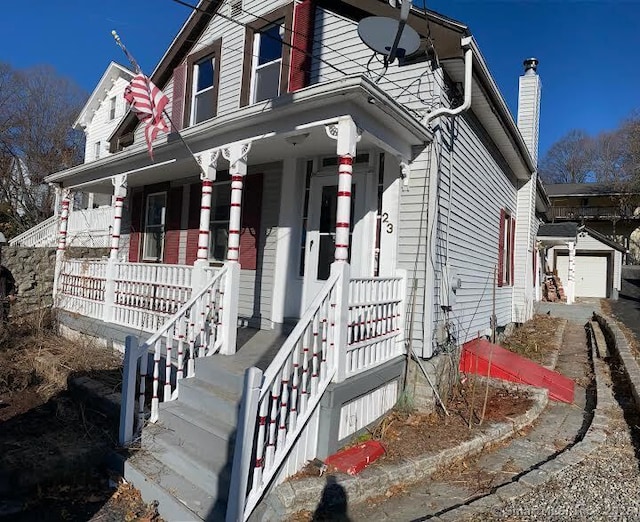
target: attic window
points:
(112, 108)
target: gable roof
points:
(602, 238)
(112, 73)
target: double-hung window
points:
(267, 62)
(112, 108)
(154, 226)
(203, 71)
(219, 225)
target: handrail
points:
(33, 231)
(285, 350)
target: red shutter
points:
(251, 213)
(136, 226)
(501, 249)
(172, 226)
(193, 223)
(304, 15)
(177, 102)
(535, 265)
(512, 256)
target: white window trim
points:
(256, 58)
(195, 93)
(146, 226)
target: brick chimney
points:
(529, 106)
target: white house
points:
(338, 211)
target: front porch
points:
(303, 251)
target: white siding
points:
(101, 125)
(526, 230)
(366, 409)
(529, 112)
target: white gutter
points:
(465, 43)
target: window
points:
(112, 108)
(267, 62)
(219, 225)
(266, 70)
(202, 84)
(154, 226)
(505, 249)
(96, 150)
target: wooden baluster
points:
(156, 382)
(305, 371)
(260, 445)
(284, 405)
(168, 339)
(315, 355)
(142, 387)
(295, 384)
(273, 413)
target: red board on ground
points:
(509, 366)
(355, 459)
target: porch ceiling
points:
(271, 127)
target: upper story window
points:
(112, 108)
(203, 72)
(96, 150)
(267, 57)
(267, 62)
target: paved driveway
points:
(627, 307)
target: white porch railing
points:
(81, 287)
(89, 228)
(194, 331)
(375, 321)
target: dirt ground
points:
(52, 443)
(535, 338)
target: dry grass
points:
(32, 354)
(535, 338)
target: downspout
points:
(465, 43)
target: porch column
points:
(208, 162)
(571, 275)
(236, 154)
(119, 193)
(65, 196)
(345, 133)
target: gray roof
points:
(581, 189)
(558, 230)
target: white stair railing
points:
(43, 234)
(196, 330)
(290, 393)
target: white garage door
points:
(591, 274)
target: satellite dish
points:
(379, 34)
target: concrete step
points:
(211, 470)
(220, 370)
(178, 498)
(211, 399)
(194, 428)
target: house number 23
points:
(387, 223)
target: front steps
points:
(186, 457)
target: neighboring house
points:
(336, 219)
(91, 214)
(604, 207)
(588, 263)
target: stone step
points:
(211, 399)
(178, 498)
(210, 469)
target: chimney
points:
(529, 106)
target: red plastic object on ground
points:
(355, 459)
(509, 366)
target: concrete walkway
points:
(507, 471)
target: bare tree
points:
(37, 109)
(569, 160)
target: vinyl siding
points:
(529, 112)
(526, 230)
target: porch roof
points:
(384, 123)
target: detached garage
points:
(598, 260)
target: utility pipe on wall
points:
(465, 43)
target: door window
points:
(327, 229)
(154, 226)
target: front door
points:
(321, 231)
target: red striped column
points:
(237, 156)
(343, 210)
(119, 192)
(207, 176)
(64, 221)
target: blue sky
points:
(588, 50)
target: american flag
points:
(148, 102)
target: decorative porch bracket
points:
(119, 193)
(236, 155)
(347, 135)
(65, 195)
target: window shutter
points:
(136, 226)
(512, 256)
(501, 249)
(172, 226)
(304, 16)
(251, 214)
(195, 194)
(177, 103)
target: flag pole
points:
(138, 70)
